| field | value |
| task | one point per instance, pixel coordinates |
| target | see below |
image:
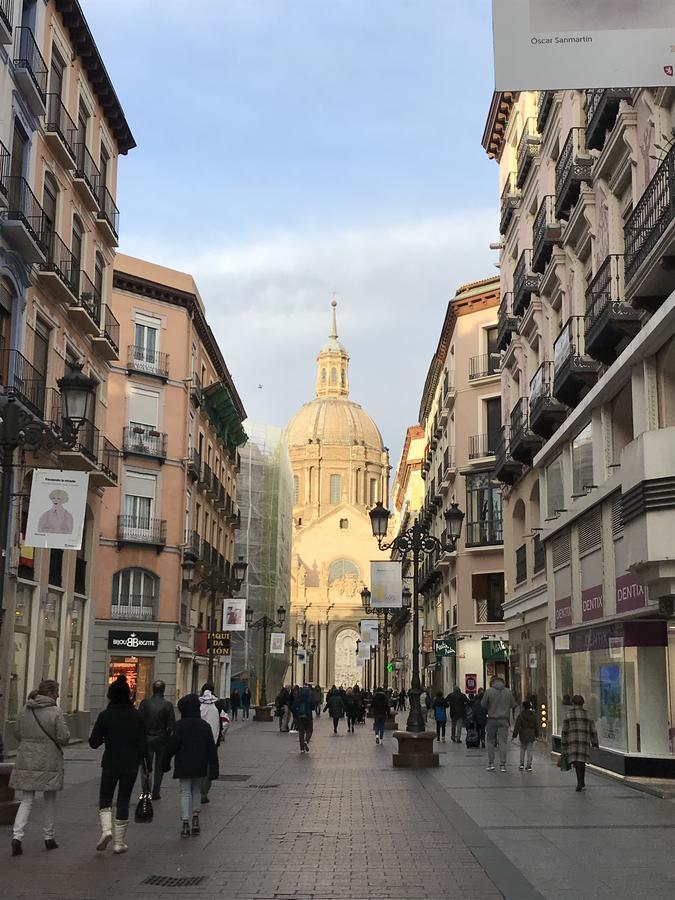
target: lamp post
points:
(418, 542)
(19, 427)
(293, 644)
(266, 623)
(384, 614)
(218, 582)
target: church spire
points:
(332, 373)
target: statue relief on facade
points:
(301, 581)
(347, 673)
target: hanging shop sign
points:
(497, 651)
(133, 641)
(386, 584)
(369, 629)
(445, 647)
(58, 500)
(277, 642)
(301, 656)
(234, 613)
(220, 641)
(427, 640)
(564, 44)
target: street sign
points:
(470, 684)
(390, 667)
(220, 641)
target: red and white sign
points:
(470, 684)
(629, 593)
(563, 612)
(592, 604)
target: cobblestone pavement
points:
(342, 823)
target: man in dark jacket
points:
(380, 708)
(303, 708)
(459, 704)
(196, 758)
(160, 719)
(479, 716)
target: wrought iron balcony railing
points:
(141, 530)
(544, 105)
(27, 56)
(23, 207)
(528, 150)
(110, 460)
(507, 324)
(108, 211)
(525, 283)
(85, 167)
(573, 169)
(61, 262)
(602, 108)
(546, 233)
(609, 319)
(111, 329)
(135, 607)
(58, 121)
(19, 380)
(145, 440)
(484, 366)
(510, 201)
(150, 362)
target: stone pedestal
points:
(415, 750)
(263, 714)
(8, 805)
(390, 723)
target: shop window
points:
(582, 461)
(555, 487)
(52, 615)
(484, 510)
(18, 681)
(75, 656)
(138, 672)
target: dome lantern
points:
(332, 370)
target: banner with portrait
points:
(58, 500)
(234, 613)
(370, 629)
(386, 584)
(557, 44)
(277, 642)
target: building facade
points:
(176, 416)
(62, 130)
(586, 329)
(340, 470)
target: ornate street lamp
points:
(217, 582)
(77, 396)
(418, 542)
(293, 644)
(267, 624)
(384, 637)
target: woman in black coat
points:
(122, 730)
(196, 757)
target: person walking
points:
(295, 696)
(193, 748)
(42, 734)
(351, 710)
(159, 720)
(380, 708)
(282, 701)
(578, 735)
(121, 729)
(235, 703)
(401, 699)
(428, 704)
(497, 702)
(459, 704)
(336, 709)
(246, 702)
(440, 716)
(208, 710)
(303, 711)
(318, 699)
(527, 729)
(479, 716)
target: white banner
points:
(58, 500)
(386, 584)
(301, 656)
(277, 642)
(363, 652)
(558, 44)
(234, 614)
(369, 631)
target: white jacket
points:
(209, 712)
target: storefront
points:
(132, 654)
(529, 668)
(622, 671)
(495, 656)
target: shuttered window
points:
(589, 530)
(561, 550)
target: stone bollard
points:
(415, 750)
(263, 714)
(8, 805)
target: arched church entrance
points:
(347, 673)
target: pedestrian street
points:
(340, 822)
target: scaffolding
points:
(265, 499)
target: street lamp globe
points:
(239, 569)
(249, 616)
(406, 597)
(365, 597)
(379, 519)
(77, 394)
(454, 517)
(281, 615)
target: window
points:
(41, 340)
(76, 242)
(582, 461)
(344, 523)
(372, 491)
(143, 411)
(52, 632)
(99, 270)
(50, 193)
(135, 592)
(335, 489)
(342, 568)
(484, 510)
(296, 489)
(323, 376)
(56, 70)
(492, 350)
(139, 500)
(488, 593)
(357, 487)
(146, 342)
(82, 123)
(103, 168)
(333, 375)
(493, 421)
(555, 488)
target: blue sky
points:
(291, 148)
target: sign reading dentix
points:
(563, 612)
(629, 594)
(133, 641)
(592, 604)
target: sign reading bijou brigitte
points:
(592, 604)
(133, 641)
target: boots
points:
(105, 818)
(119, 833)
(195, 824)
(185, 831)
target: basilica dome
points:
(333, 421)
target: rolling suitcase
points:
(472, 739)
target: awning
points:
(184, 652)
(224, 416)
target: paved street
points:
(341, 823)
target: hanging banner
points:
(234, 614)
(427, 641)
(369, 631)
(386, 584)
(277, 642)
(363, 652)
(301, 655)
(58, 500)
(557, 44)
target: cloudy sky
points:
(291, 148)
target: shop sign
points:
(495, 650)
(470, 683)
(445, 647)
(592, 604)
(630, 594)
(563, 612)
(594, 638)
(133, 640)
(427, 641)
(218, 642)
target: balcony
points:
(148, 362)
(528, 150)
(134, 609)
(60, 272)
(83, 455)
(525, 283)
(546, 233)
(194, 465)
(21, 381)
(524, 442)
(521, 564)
(24, 222)
(108, 215)
(206, 554)
(141, 530)
(544, 108)
(649, 236)
(107, 341)
(6, 20)
(60, 131)
(509, 203)
(489, 610)
(487, 365)
(193, 545)
(196, 390)
(575, 372)
(449, 470)
(144, 440)
(108, 474)
(546, 413)
(482, 446)
(507, 469)
(87, 312)
(610, 321)
(205, 477)
(573, 169)
(487, 533)
(86, 176)
(602, 108)
(508, 323)
(30, 71)
(4, 174)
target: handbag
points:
(50, 736)
(564, 763)
(144, 811)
